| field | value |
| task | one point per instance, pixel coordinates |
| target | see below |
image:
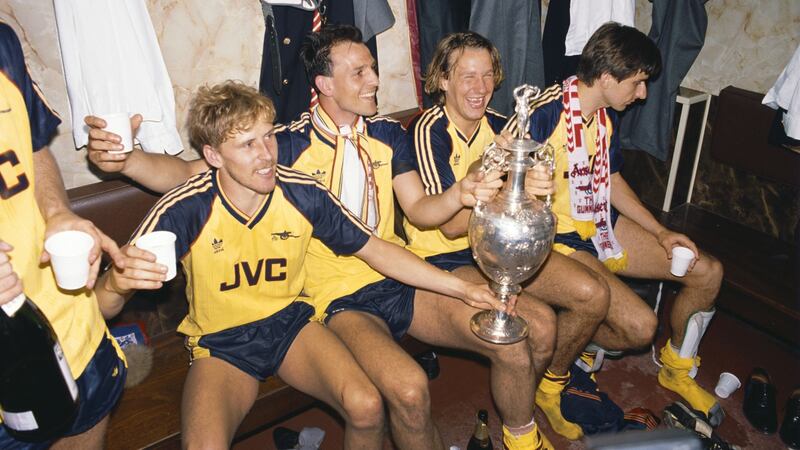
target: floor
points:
(462, 388)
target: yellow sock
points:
(548, 399)
(674, 375)
(531, 440)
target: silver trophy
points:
(512, 235)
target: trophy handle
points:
(546, 155)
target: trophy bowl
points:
(512, 235)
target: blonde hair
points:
(220, 111)
(452, 46)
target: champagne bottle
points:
(480, 439)
(38, 396)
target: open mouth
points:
(475, 102)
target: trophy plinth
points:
(512, 235)
(497, 326)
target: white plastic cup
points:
(726, 385)
(161, 244)
(681, 258)
(69, 258)
(119, 123)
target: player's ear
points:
(212, 156)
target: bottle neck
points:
(11, 307)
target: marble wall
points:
(748, 43)
(201, 42)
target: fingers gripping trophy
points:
(512, 235)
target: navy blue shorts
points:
(388, 299)
(573, 239)
(453, 260)
(99, 388)
(257, 348)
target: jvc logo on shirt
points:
(274, 269)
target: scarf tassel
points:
(617, 264)
(585, 228)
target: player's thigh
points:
(646, 257)
(368, 338)
(216, 397)
(567, 283)
(626, 309)
(319, 364)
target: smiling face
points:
(468, 87)
(619, 94)
(246, 163)
(353, 83)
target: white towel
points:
(786, 94)
(586, 16)
(112, 63)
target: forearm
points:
(402, 265)
(158, 172)
(434, 210)
(458, 225)
(109, 301)
(628, 204)
(49, 187)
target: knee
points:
(542, 337)
(516, 357)
(594, 298)
(363, 406)
(410, 397)
(708, 273)
(642, 331)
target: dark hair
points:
(619, 50)
(316, 49)
(451, 44)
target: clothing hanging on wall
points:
(586, 16)
(679, 31)
(372, 17)
(557, 65)
(435, 20)
(516, 30)
(785, 95)
(292, 24)
(112, 63)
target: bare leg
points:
(630, 323)
(647, 259)
(320, 365)
(397, 376)
(216, 397)
(92, 439)
(540, 317)
(444, 321)
(581, 299)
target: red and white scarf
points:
(590, 187)
(354, 182)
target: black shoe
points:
(285, 439)
(430, 363)
(759, 402)
(790, 428)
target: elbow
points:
(452, 232)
